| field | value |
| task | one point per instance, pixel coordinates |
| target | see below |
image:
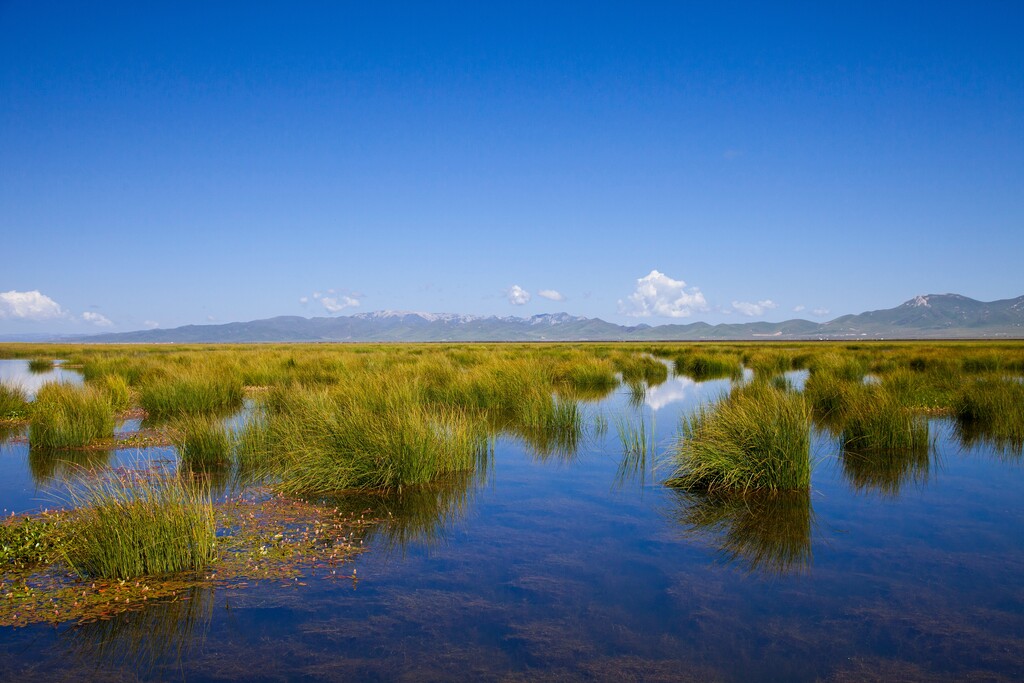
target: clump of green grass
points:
(40, 365)
(13, 403)
(638, 368)
(117, 391)
(191, 394)
(877, 420)
(131, 524)
(374, 436)
(992, 409)
(758, 438)
(550, 427)
(828, 394)
(702, 367)
(67, 416)
(203, 442)
(589, 378)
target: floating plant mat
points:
(261, 537)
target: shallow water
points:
(570, 568)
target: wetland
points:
(697, 511)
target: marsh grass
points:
(192, 393)
(550, 428)
(638, 449)
(641, 368)
(203, 442)
(13, 403)
(67, 416)
(702, 367)
(136, 523)
(877, 420)
(38, 366)
(117, 391)
(756, 439)
(991, 409)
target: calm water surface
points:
(580, 566)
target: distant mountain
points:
(933, 316)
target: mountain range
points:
(934, 316)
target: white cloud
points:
(552, 294)
(210, 318)
(820, 312)
(658, 294)
(303, 299)
(754, 309)
(151, 324)
(32, 305)
(97, 319)
(333, 304)
(798, 308)
(517, 296)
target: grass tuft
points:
(131, 524)
(758, 438)
(67, 416)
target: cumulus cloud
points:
(754, 309)
(517, 296)
(820, 312)
(97, 319)
(151, 324)
(303, 299)
(552, 294)
(658, 294)
(334, 304)
(798, 308)
(32, 305)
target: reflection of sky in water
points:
(670, 391)
(15, 373)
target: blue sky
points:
(174, 163)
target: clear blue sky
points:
(174, 163)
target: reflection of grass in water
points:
(886, 471)
(637, 394)
(164, 633)
(763, 532)
(1009, 446)
(48, 465)
(416, 514)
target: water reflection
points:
(51, 466)
(767, 533)
(17, 373)
(636, 434)
(671, 391)
(971, 436)
(886, 472)
(421, 514)
(162, 635)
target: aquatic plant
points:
(13, 402)
(202, 441)
(877, 420)
(991, 409)
(702, 367)
(67, 416)
(757, 438)
(191, 394)
(131, 523)
(40, 365)
(117, 391)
